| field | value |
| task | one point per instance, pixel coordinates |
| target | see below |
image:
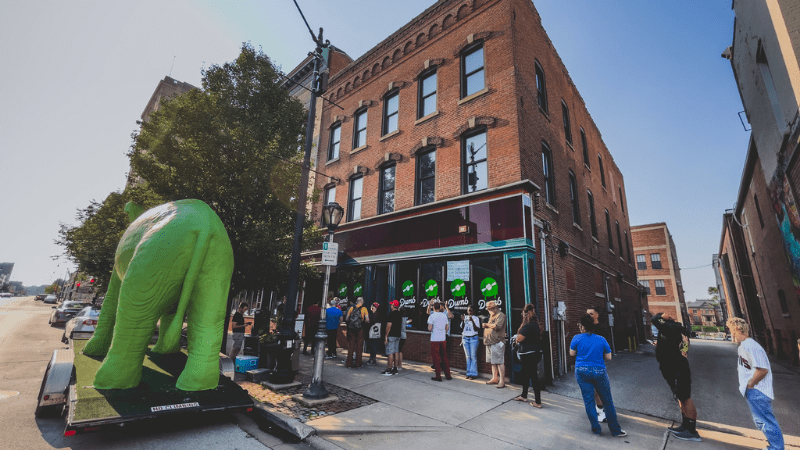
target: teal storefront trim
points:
(521, 244)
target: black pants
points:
(332, 341)
(530, 375)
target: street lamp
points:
(332, 214)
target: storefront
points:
(479, 250)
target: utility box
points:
(245, 363)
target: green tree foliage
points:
(92, 244)
(714, 293)
(228, 145)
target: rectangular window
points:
(426, 177)
(655, 260)
(549, 180)
(627, 245)
(641, 263)
(567, 127)
(330, 195)
(360, 129)
(660, 290)
(573, 195)
(621, 199)
(758, 210)
(608, 231)
(386, 196)
(602, 172)
(541, 88)
(356, 191)
(476, 175)
(592, 218)
(619, 240)
(472, 77)
(585, 149)
(336, 136)
(391, 106)
(646, 285)
(427, 95)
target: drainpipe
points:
(546, 294)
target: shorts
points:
(402, 344)
(238, 340)
(392, 345)
(495, 353)
(679, 378)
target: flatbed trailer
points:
(67, 387)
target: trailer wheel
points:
(49, 410)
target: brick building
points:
(705, 313)
(658, 271)
(761, 235)
(470, 171)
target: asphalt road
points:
(637, 385)
(26, 345)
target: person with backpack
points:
(672, 348)
(356, 319)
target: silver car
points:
(65, 312)
(82, 325)
(50, 299)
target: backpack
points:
(354, 320)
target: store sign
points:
(462, 303)
(358, 290)
(431, 289)
(489, 287)
(330, 253)
(458, 288)
(408, 289)
(343, 290)
(407, 299)
(458, 270)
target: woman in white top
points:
(469, 339)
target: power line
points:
(698, 267)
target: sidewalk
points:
(412, 411)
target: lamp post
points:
(332, 214)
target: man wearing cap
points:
(494, 338)
(392, 340)
(438, 326)
(374, 333)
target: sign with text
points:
(458, 270)
(330, 253)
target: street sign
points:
(330, 253)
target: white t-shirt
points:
(470, 327)
(439, 322)
(752, 356)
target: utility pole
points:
(286, 335)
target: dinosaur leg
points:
(101, 340)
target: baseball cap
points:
(376, 304)
(395, 303)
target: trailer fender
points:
(56, 381)
(226, 367)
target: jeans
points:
(761, 408)
(440, 360)
(372, 346)
(471, 352)
(591, 379)
(530, 375)
(332, 341)
(355, 345)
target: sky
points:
(78, 74)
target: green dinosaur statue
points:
(174, 261)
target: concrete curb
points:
(321, 444)
(289, 424)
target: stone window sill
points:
(468, 98)
(332, 161)
(577, 226)
(387, 136)
(427, 118)
(358, 149)
(551, 208)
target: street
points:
(27, 343)
(637, 385)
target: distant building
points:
(5, 274)
(658, 271)
(760, 242)
(705, 313)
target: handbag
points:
(375, 331)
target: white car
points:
(82, 325)
(50, 299)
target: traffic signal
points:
(78, 284)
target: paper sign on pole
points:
(330, 253)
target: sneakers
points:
(371, 362)
(389, 372)
(677, 429)
(601, 415)
(622, 433)
(687, 435)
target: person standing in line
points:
(310, 326)
(446, 311)
(333, 318)
(373, 341)
(469, 339)
(238, 329)
(357, 318)
(438, 326)
(755, 382)
(530, 354)
(590, 351)
(600, 330)
(672, 349)
(494, 340)
(403, 323)
(392, 339)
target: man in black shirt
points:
(392, 341)
(238, 330)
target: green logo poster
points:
(431, 289)
(357, 290)
(489, 287)
(408, 289)
(343, 290)
(458, 288)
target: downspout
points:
(546, 295)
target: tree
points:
(714, 293)
(228, 145)
(93, 243)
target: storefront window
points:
(350, 284)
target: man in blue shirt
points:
(333, 317)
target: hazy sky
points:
(77, 75)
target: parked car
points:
(5, 295)
(82, 325)
(50, 299)
(40, 297)
(65, 312)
